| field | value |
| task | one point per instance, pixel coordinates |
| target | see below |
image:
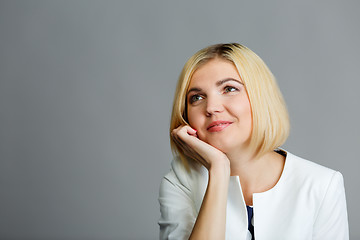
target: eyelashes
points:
(230, 89)
(194, 98)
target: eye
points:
(195, 98)
(230, 89)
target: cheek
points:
(247, 112)
(194, 118)
(243, 111)
(248, 118)
(197, 121)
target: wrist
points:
(221, 167)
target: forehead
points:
(213, 71)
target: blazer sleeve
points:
(177, 209)
(332, 219)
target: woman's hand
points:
(210, 222)
(186, 138)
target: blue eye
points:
(230, 89)
(195, 98)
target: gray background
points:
(86, 89)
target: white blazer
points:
(308, 202)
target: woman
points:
(229, 178)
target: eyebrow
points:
(218, 83)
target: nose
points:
(214, 105)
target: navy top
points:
(250, 212)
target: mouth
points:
(218, 126)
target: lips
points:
(218, 126)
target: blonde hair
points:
(270, 120)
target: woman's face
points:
(218, 106)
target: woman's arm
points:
(210, 223)
(211, 220)
(332, 220)
(178, 214)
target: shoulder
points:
(322, 191)
(304, 168)
(181, 178)
(179, 173)
(310, 176)
(181, 190)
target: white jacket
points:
(308, 202)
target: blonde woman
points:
(229, 178)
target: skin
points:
(216, 93)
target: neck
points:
(254, 170)
(244, 161)
(256, 174)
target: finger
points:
(191, 130)
(186, 131)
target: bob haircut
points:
(270, 120)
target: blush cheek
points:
(191, 122)
(201, 136)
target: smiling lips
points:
(218, 126)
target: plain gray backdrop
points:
(86, 89)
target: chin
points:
(221, 145)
